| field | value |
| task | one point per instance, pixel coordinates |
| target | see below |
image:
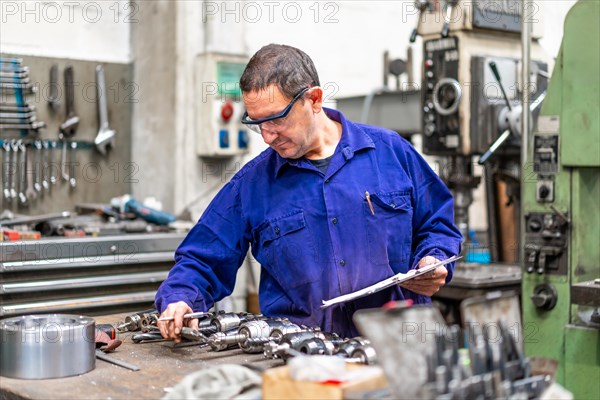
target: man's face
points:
(292, 136)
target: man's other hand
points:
(171, 330)
(429, 283)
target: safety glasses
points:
(273, 120)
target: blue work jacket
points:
(315, 235)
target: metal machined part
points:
(289, 341)
(139, 320)
(220, 341)
(364, 354)
(132, 322)
(257, 333)
(254, 345)
(317, 346)
(225, 322)
(47, 346)
(277, 333)
(193, 334)
(249, 330)
(348, 346)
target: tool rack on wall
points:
(46, 165)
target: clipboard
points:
(386, 283)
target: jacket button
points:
(334, 221)
(277, 230)
(326, 180)
(342, 263)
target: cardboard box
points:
(277, 385)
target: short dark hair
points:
(287, 67)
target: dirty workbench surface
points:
(161, 366)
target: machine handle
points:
(413, 36)
(447, 15)
(445, 30)
(496, 73)
(505, 135)
(421, 5)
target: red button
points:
(227, 111)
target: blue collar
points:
(353, 139)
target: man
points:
(331, 207)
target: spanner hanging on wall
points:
(69, 128)
(106, 136)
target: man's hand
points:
(171, 330)
(429, 283)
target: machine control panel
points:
(545, 165)
(546, 243)
(219, 109)
(442, 94)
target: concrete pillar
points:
(154, 52)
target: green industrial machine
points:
(561, 211)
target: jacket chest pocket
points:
(389, 229)
(285, 248)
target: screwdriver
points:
(190, 315)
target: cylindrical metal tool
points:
(47, 346)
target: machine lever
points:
(421, 5)
(494, 69)
(505, 135)
(561, 215)
(447, 17)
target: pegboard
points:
(99, 177)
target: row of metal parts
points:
(498, 369)
(255, 333)
(29, 168)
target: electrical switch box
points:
(219, 107)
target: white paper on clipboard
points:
(386, 283)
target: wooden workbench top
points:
(161, 366)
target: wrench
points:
(22, 173)
(17, 115)
(37, 185)
(30, 192)
(69, 127)
(63, 158)
(14, 147)
(25, 120)
(106, 136)
(7, 171)
(34, 126)
(53, 98)
(51, 148)
(45, 164)
(15, 108)
(72, 181)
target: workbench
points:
(162, 365)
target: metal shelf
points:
(84, 274)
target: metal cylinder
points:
(47, 346)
